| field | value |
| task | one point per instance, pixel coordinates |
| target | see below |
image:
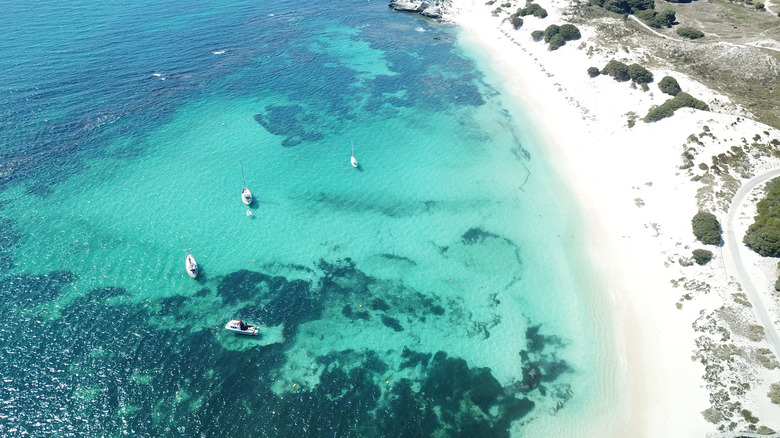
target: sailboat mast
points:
(242, 173)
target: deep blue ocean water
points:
(441, 289)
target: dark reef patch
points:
(275, 300)
(398, 258)
(392, 323)
(379, 304)
(477, 235)
(291, 121)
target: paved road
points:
(732, 259)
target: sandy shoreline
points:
(637, 204)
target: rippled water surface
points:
(440, 289)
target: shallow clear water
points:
(441, 288)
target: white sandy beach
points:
(638, 204)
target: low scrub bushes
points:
(763, 236)
(667, 109)
(690, 33)
(702, 256)
(706, 228)
(658, 19)
(532, 9)
(557, 36)
(668, 85)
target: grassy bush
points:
(645, 15)
(667, 109)
(763, 236)
(537, 35)
(669, 85)
(774, 393)
(550, 32)
(569, 32)
(532, 9)
(657, 19)
(702, 256)
(593, 72)
(617, 70)
(516, 21)
(706, 228)
(639, 74)
(690, 33)
(557, 41)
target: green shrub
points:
(537, 35)
(617, 70)
(532, 9)
(763, 235)
(516, 21)
(550, 32)
(664, 18)
(669, 85)
(640, 5)
(569, 32)
(702, 256)
(685, 100)
(593, 72)
(557, 41)
(667, 109)
(706, 228)
(774, 393)
(645, 15)
(690, 33)
(617, 6)
(639, 74)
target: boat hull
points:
(246, 196)
(233, 326)
(191, 266)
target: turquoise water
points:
(441, 289)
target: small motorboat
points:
(237, 326)
(191, 265)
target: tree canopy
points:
(669, 85)
(763, 236)
(706, 228)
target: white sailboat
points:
(246, 195)
(189, 262)
(352, 159)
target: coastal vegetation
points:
(763, 236)
(706, 228)
(556, 36)
(774, 393)
(593, 72)
(667, 109)
(622, 72)
(537, 35)
(690, 33)
(702, 256)
(532, 9)
(668, 85)
(659, 19)
(516, 21)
